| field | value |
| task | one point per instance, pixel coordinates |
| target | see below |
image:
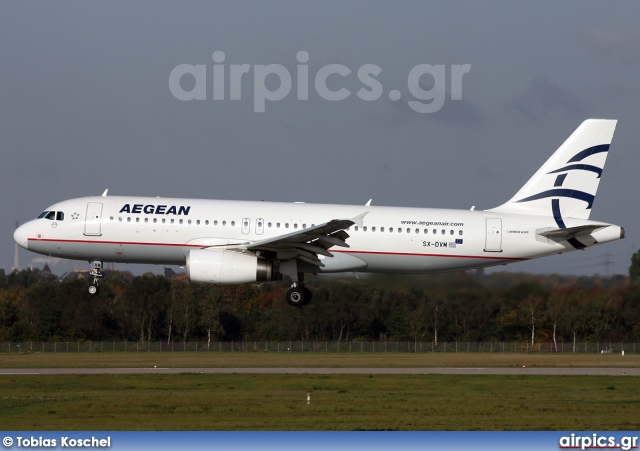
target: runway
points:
(514, 371)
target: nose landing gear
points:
(96, 272)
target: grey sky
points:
(86, 105)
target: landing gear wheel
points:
(94, 289)
(296, 296)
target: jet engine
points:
(226, 267)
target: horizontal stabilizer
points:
(571, 232)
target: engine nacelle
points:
(228, 267)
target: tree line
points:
(461, 306)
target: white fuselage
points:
(391, 239)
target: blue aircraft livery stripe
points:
(575, 243)
(580, 167)
(562, 192)
(555, 207)
(588, 152)
(560, 180)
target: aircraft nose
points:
(21, 236)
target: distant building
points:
(46, 269)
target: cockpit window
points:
(52, 215)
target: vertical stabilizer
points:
(566, 185)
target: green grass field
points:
(309, 360)
(338, 402)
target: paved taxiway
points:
(533, 371)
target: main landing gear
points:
(299, 295)
(96, 272)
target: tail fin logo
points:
(557, 191)
(565, 186)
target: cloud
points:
(463, 112)
(542, 98)
(615, 42)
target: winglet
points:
(368, 204)
(358, 219)
(105, 192)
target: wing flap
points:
(308, 243)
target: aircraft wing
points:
(308, 243)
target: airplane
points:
(240, 242)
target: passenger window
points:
(399, 230)
(373, 229)
(111, 218)
(382, 229)
(295, 226)
(269, 225)
(304, 226)
(180, 221)
(355, 228)
(189, 221)
(206, 222)
(417, 231)
(164, 220)
(426, 231)
(146, 219)
(155, 220)
(435, 231)
(215, 223)
(60, 216)
(198, 222)
(408, 230)
(443, 231)
(460, 233)
(286, 226)
(233, 223)
(364, 229)
(451, 232)
(128, 219)
(137, 219)
(224, 223)
(390, 229)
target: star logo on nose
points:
(75, 216)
